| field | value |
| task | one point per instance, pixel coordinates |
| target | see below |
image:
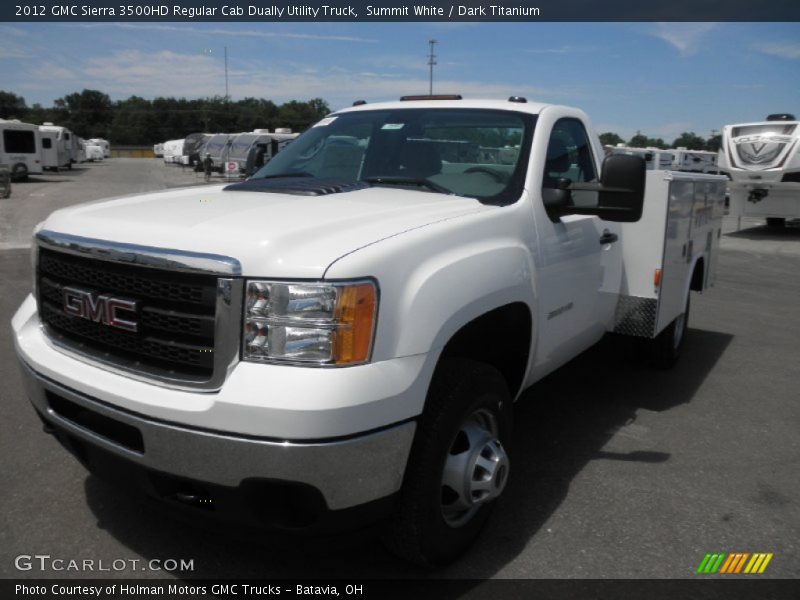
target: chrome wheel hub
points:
(476, 469)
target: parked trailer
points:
(192, 146)
(64, 144)
(20, 148)
(173, 150)
(763, 162)
(250, 151)
(94, 152)
(52, 158)
(104, 145)
(217, 149)
(674, 159)
(158, 150)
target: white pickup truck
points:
(341, 338)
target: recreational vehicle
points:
(20, 148)
(763, 162)
(104, 145)
(192, 146)
(64, 144)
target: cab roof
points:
(525, 107)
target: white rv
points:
(93, 152)
(104, 145)
(763, 162)
(672, 159)
(20, 148)
(64, 144)
(173, 151)
(54, 156)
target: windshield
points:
(476, 153)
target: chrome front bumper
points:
(348, 472)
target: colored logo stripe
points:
(734, 563)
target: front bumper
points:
(346, 472)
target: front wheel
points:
(459, 464)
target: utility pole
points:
(227, 96)
(431, 62)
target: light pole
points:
(431, 62)
(209, 51)
(227, 96)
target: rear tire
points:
(665, 349)
(776, 223)
(19, 172)
(458, 466)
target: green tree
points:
(714, 142)
(690, 141)
(90, 113)
(610, 139)
(12, 106)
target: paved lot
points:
(32, 200)
(619, 471)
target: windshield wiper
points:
(419, 181)
(288, 174)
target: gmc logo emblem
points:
(100, 309)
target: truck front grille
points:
(175, 314)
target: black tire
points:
(776, 223)
(19, 172)
(430, 527)
(665, 349)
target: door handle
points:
(608, 238)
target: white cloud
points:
(167, 73)
(232, 32)
(685, 37)
(790, 50)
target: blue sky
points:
(660, 78)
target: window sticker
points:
(393, 126)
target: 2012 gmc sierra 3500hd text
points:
(341, 337)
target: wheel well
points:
(698, 276)
(500, 338)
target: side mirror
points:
(622, 188)
(620, 193)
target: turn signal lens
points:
(355, 315)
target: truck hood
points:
(271, 234)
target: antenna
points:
(431, 63)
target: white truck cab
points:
(343, 335)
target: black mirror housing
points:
(622, 188)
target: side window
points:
(569, 156)
(47, 143)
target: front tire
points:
(458, 467)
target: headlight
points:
(320, 323)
